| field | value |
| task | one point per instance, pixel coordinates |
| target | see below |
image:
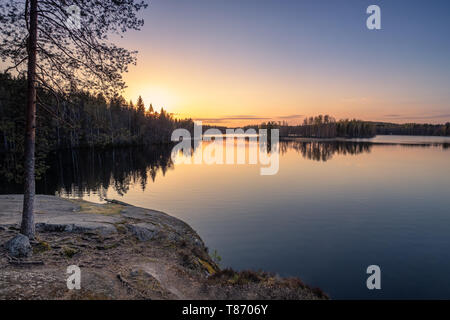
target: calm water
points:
(333, 209)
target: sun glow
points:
(158, 97)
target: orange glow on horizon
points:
(223, 90)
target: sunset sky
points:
(232, 62)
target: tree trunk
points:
(27, 227)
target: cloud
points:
(247, 117)
(230, 118)
(355, 100)
(417, 117)
(293, 116)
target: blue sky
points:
(229, 58)
(247, 60)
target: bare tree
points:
(62, 45)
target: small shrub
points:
(69, 252)
(216, 257)
(41, 247)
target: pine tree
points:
(70, 56)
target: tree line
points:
(82, 120)
(413, 129)
(324, 126)
(78, 119)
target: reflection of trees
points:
(89, 170)
(84, 171)
(117, 168)
(80, 171)
(324, 150)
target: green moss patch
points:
(42, 246)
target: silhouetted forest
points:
(75, 120)
(81, 120)
(324, 126)
(413, 129)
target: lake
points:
(333, 209)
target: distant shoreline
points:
(370, 140)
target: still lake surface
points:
(333, 209)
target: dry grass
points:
(262, 285)
(96, 208)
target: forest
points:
(81, 120)
(413, 129)
(76, 120)
(324, 126)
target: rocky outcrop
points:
(123, 252)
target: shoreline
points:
(124, 252)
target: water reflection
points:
(325, 150)
(82, 172)
(117, 168)
(78, 173)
